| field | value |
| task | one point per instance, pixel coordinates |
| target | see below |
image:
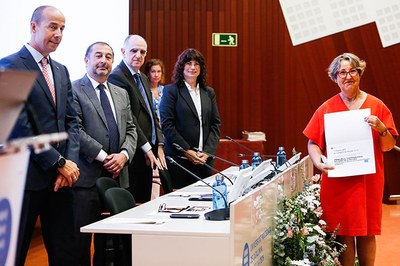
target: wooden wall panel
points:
(265, 83)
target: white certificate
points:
(349, 143)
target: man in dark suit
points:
(50, 173)
(100, 125)
(150, 140)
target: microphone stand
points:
(249, 155)
(214, 215)
(212, 168)
(241, 145)
(215, 157)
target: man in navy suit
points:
(100, 125)
(150, 139)
(52, 172)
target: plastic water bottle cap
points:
(219, 177)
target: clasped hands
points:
(67, 175)
(196, 157)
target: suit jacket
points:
(51, 118)
(180, 122)
(122, 77)
(93, 130)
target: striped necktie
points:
(47, 78)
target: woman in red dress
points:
(354, 202)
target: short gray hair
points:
(354, 60)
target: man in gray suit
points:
(108, 141)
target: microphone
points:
(241, 145)
(214, 215)
(179, 148)
(250, 155)
(215, 157)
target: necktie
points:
(47, 78)
(146, 100)
(112, 125)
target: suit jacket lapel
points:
(205, 103)
(188, 99)
(117, 105)
(31, 64)
(135, 87)
(87, 87)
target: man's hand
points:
(61, 182)
(161, 158)
(70, 171)
(114, 163)
(152, 160)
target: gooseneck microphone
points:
(214, 215)
(251, 155)
(215, 157)
(239, 144)
(179, 148)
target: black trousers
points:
(56, 218)
(180, 178)
(140, 177)
(87, 210)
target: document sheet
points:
(349, 143)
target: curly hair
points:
(187, 56)
(155, 62)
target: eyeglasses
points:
(142, 52)
(163, 208)
(343, 73)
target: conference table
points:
(245, 239)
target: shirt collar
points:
(197, 92)
(95, 83)
(36, 54)
(130, 69)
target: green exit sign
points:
(224, 39)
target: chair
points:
(107, 245)
(102, 185)
(118, 200)
(166, 182)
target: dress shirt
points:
(102, 154)
(195, 94)
(38, 58)
(147, 146)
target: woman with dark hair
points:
(190, 119)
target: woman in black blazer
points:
(189, 118)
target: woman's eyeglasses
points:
(343, 73)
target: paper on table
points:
(134, 221)
(349, 143)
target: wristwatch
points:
(60, 162)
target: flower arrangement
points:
(299, 237)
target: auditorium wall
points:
(265, 83)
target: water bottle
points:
(256, 161)
(244, 165)
(218, 200)
(280, 157)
